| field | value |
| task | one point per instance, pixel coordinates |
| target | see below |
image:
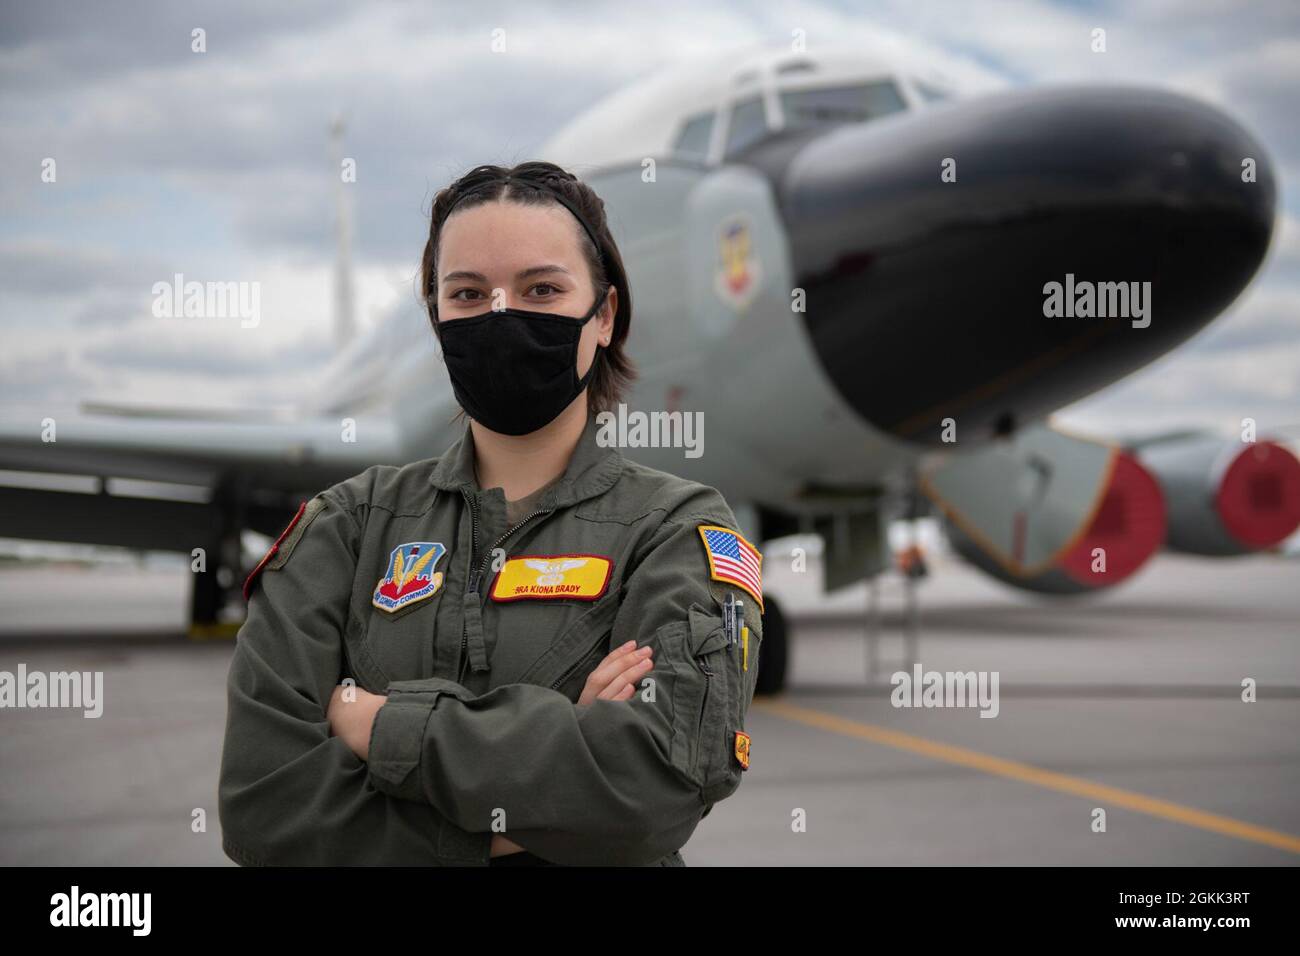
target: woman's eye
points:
(458, 293)
(545, 285)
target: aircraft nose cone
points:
(927, 244)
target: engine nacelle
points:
(1226, 497)
(1125, 530)
(1050, 512)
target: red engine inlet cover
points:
(1129, 525)
(1258, 499)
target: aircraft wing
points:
(278, 454)
(197, 474)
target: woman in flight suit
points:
(518, 652)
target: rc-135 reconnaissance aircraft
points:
(874, 290)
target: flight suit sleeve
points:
(615, 782)
(289, 792)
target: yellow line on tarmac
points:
(1064, 783)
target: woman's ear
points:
(605, 322)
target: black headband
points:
(559, 197)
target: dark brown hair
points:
(613, 370)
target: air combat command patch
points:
(410, 576)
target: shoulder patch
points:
(279, 552)
(733, 560)
(410, 575)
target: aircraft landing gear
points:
(772, 655)
(207, 598)
(218, 585)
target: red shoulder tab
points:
(248, 582)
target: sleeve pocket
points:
(718, 712)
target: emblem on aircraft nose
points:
(738, 274)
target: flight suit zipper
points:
(708, 682)
(555, 684)
(476, 576)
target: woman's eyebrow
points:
(540, 270)
(521, 274)
(463, 274)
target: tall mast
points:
(344, 306)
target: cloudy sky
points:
(215, 164)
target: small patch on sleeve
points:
(742, 749)
(733, 560)
(279, 552)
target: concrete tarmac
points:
(1126, 705)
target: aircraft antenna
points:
(344, 303)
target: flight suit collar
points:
(592, 469)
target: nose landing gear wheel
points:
(772, 655)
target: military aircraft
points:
(871, 289)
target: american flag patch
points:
(733, 559)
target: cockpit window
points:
(693, 140)
(930, 93)
(840, 104)
(748, 125)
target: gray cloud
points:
(174, 161)
(47, 268)
(73, 43)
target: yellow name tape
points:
(582, 577)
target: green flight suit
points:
(481, 723)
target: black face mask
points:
(514, 371)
